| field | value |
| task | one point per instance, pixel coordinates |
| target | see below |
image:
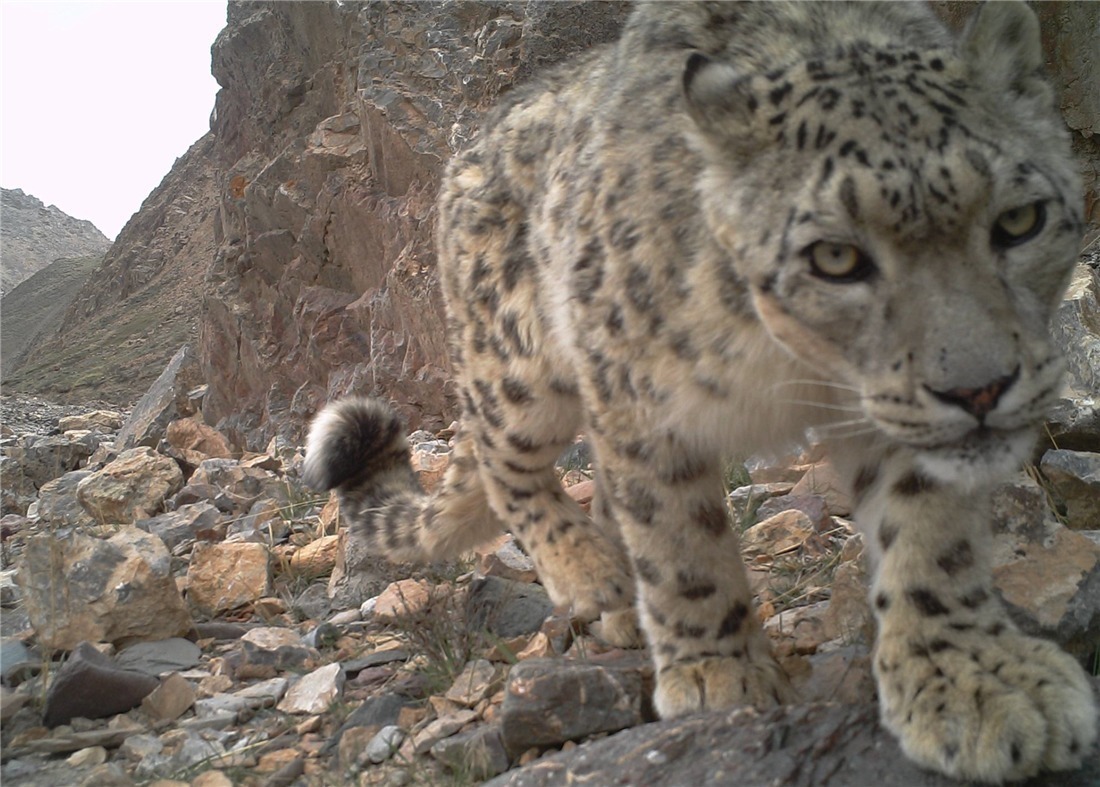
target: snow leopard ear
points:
(1002, 46)
(721, 101)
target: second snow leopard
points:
(739, 222)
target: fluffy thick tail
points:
(358, 447)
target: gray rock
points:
(1075, 478)
(242, 485)
(822, 745)
(382, 746)
(478, 753)
(192, 494)
(34, 460)
(58, 504)
(164, 402)
(507, 608)
(90, 685)
(157, 658)
(550, 701)
(1073, 328)
(17, 661)
(187, 523)
(1073, 425)
(381, 711)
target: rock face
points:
(34, 235)
(326, 272)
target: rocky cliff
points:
(33, 235)
(293, 243)
(333, 125)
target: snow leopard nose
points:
(979, 402)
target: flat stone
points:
(745, 496)
(160, 657)
(273, 638)
(91, 756)
(819, 744)
(94, 420)
(782, 533)
(441, 728)
(169, 700)
(477, 679)
(503, 558)
(315, 692)
(265, 693)
(813, 506)
(90, 685)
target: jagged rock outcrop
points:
(33, 235)
(333, 125)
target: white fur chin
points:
(979, 460)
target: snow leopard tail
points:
(357, 446)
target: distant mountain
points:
(32, 311)
(33, 235)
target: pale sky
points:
(98, 99)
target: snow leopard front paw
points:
(720, 682)
(991, 707)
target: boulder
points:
(132, 487)
(166, 400)
(58, 504)
(94, 421)
(225, 576)
(100, 590)
(550, 701)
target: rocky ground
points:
(179, 612)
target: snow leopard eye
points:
(1018, 225)
(838, 262)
